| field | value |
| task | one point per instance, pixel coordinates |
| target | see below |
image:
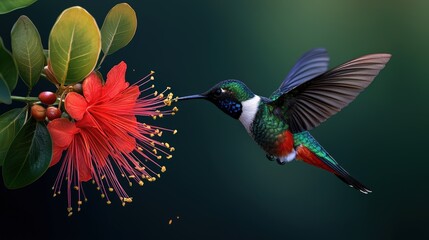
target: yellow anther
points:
(128, 199)
(108, 202)
(152, 144)
(170, 222)
(86, 200)
(98, 188)
(79, 202)
(152, 135)
(152, 72)
(167, 145)
(70, 213)
(141, 183)
(159, 157)
(54, 195)
(161, 115)
(103, 196)
(123, 204)
(78, 209)
(153, 86)
(154, 117)
(175, 109)
(155, 93)
(139, 148)
(132, 176)
(69, 209)
(152, 179)
(175, 131)
(152, 78)
(168, 88)
(169, 156)
(93, 181)
(159, 175)
(160, 134)
(103, 177)
(173, 113)
(110, 189)
(163, 169)
(59, 192)
(167, 102)
(155, 151)
(130, 183)
(172, 149)
(76, 188)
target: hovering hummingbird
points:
(309, 95)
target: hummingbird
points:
(308, 96)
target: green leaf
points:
(7, 67)
(74, 45)
(27, 50)
(118, 28)
(4, 91)
(10, 124)
(10, 5)
(29, 155)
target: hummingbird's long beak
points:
(196, 96)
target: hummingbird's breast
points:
(271, 132)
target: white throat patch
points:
(250, 107)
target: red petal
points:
(56, 155)
(92, 88)
(84, 172)
(75, 105)
(62, 132)
(115, 82)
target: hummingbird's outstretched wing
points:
(310, 65)
(309, 104)
(311, 152)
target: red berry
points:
(38, 112)
(53, 113)
(47, 97)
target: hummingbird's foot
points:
(271, 157)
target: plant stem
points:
(25, 99)
(101, 61)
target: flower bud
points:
(38, 112)
(53, 113)
(47, 97)
(78, 88)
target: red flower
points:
(105, 132)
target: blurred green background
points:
(219, 182)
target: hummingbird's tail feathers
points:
(311, 152)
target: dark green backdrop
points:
(219, 182)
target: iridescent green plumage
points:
(267, 127)
(305, 139)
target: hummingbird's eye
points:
(218, 92)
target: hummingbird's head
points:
(227, 95)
